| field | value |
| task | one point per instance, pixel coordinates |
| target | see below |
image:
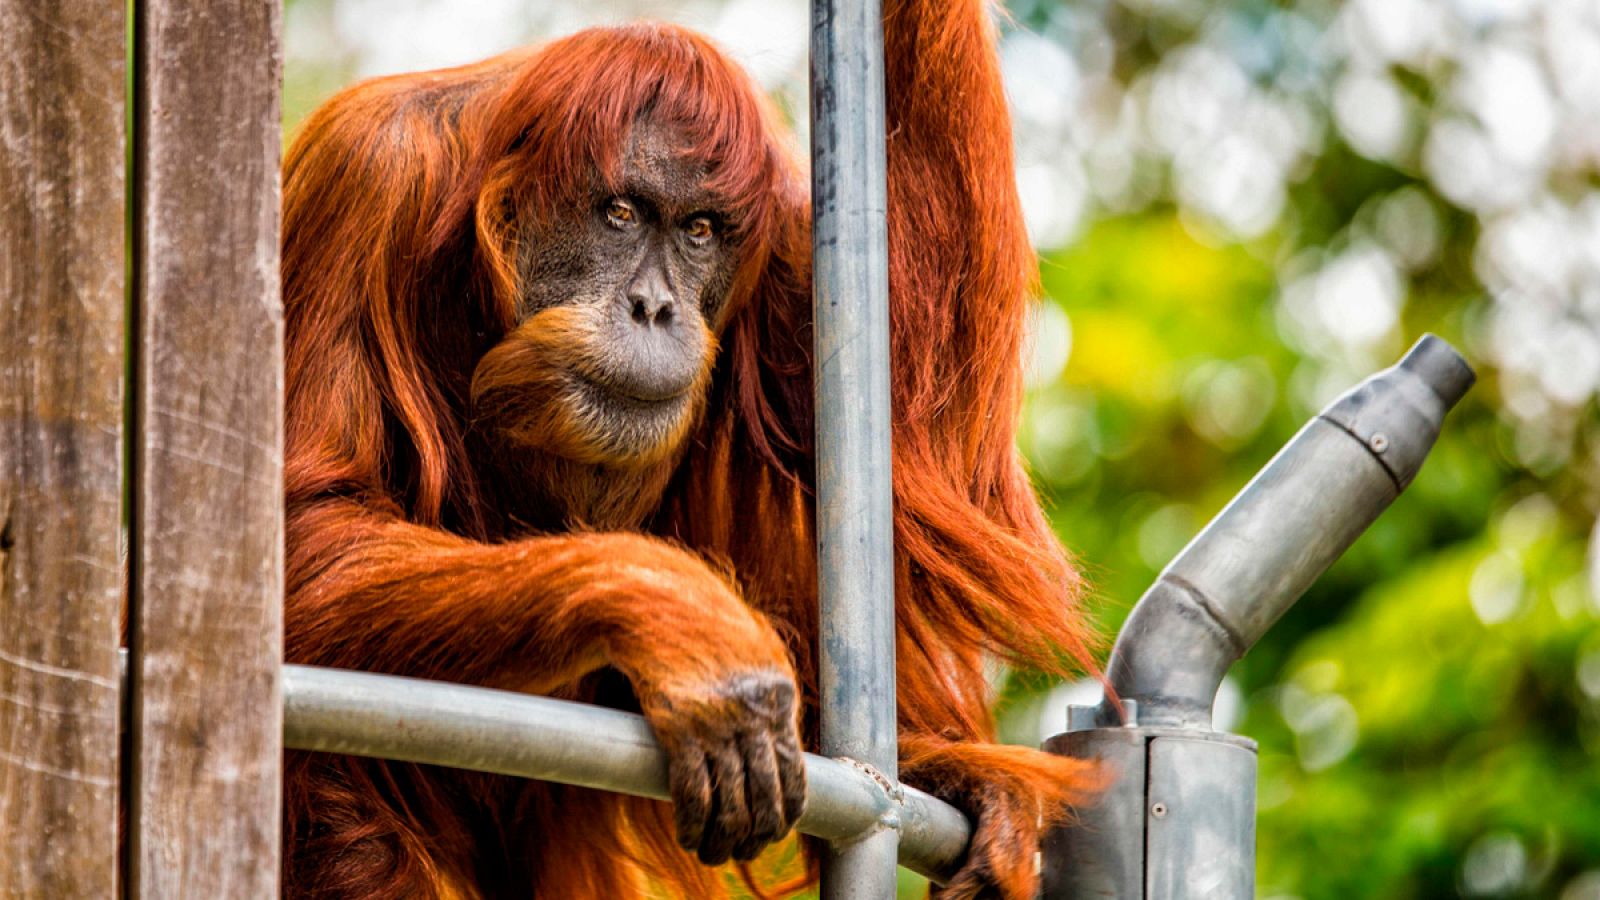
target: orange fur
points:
(402, 200)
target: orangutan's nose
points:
(650, 295)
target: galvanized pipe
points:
(1249, 565)
(1179, 820)
(437, 723)
(855, 543)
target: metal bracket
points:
(893, 791)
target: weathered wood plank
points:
(62, 70)
(207, 550)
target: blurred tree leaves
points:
(1429, 713)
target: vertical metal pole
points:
(855, 540)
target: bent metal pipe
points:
(1298, 515)
(1179, 821)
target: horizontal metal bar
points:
(485, 730)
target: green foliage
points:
(1429, 713)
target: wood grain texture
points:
(207, 552)
(62, 70)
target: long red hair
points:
(432, 171)
(402, 200)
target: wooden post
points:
(62, 74)
(207, 547)
(61, 337)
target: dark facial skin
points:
(583, 407)
(650, 257)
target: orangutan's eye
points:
(620, 213)
(700, 229)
